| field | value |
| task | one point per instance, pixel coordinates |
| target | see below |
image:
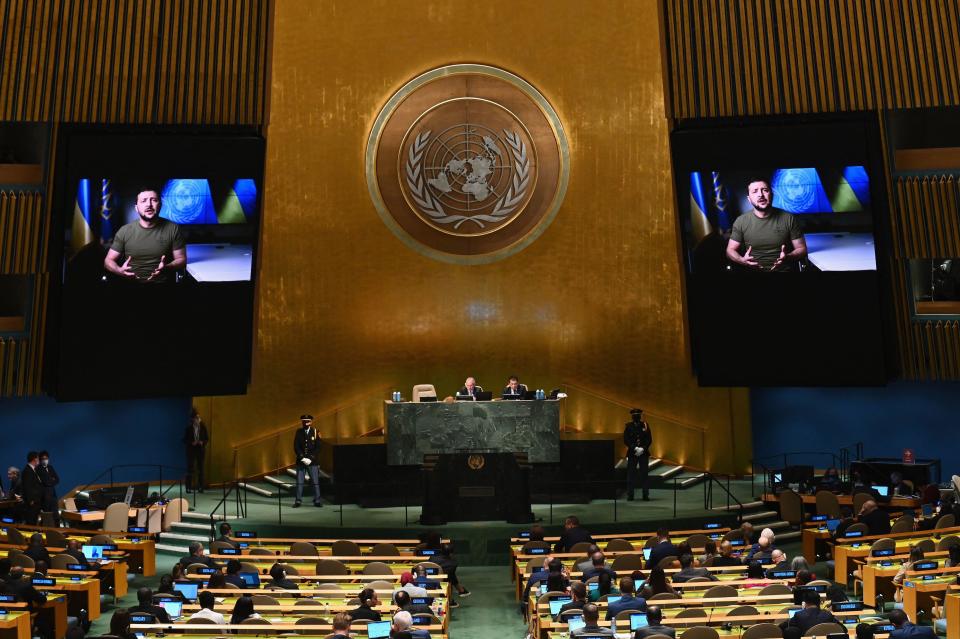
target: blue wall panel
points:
(85, 438)
(923, 417)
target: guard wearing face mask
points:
(638, 439)
(49, 478)
(306, 446)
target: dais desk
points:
(415, 429)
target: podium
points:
(476, 486)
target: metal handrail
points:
(163, 491)
(847, 454)
(708, 495)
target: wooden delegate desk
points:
(903, 503)
(951, 607)
(548, 627)
(153, 517)
(281, 545)
(141, 549)
(15, 625)
(306, 565)
(919, 588)
(277, 625)
(848, 548)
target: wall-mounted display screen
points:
(156, 250)
(780, 247)
(781, 219)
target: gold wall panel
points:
(749, 57)
(193, 61)
(346, 310)
(756, 57)
(113, 61)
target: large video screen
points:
(156, 250)
(781, 219)
(780, 247)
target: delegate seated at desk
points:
(514, 389)
(470, 389)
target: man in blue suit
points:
(906, 629)
(663, 549)
(628, 599)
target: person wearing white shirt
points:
(207, 603)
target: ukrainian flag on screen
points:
(700, 225)
(188, 201)
(81, 224)
(241, 203)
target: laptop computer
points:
(174, 608)
(927, 510)
(575, 623)
(484, 396)
(557, 604)
(883, 491)
(832, 525)
(593, 585)
(378, 629)
(187, 588)
(428, 398)
(92, 553)
(613, 599)
(252, 579)
(646, 553)
(638, 620)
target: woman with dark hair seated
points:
(166, 588)
(243, 610)
(604, 587)
(656, 584)
(120, 624)
(557, 580)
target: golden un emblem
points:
(467, 163)
(476, 462)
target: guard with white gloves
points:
(638, 440)
(306, 446)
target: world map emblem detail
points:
(467, 164)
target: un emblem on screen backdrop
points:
(467, 163)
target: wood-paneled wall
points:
(746, 57)
(114, 62)
(756, 57)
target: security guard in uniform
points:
(638, 439)
(306, 446)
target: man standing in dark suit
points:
(195, 445)
(49, 478)
(638, 439)
(31, 489)
(572, 534)
(306, 446)
(664, 548)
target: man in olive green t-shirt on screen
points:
(151, 249)
(773, 239)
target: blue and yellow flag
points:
(700, 226)
(82, 227)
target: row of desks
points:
(139, 550)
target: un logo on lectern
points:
(467, 163)
(476, 462)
